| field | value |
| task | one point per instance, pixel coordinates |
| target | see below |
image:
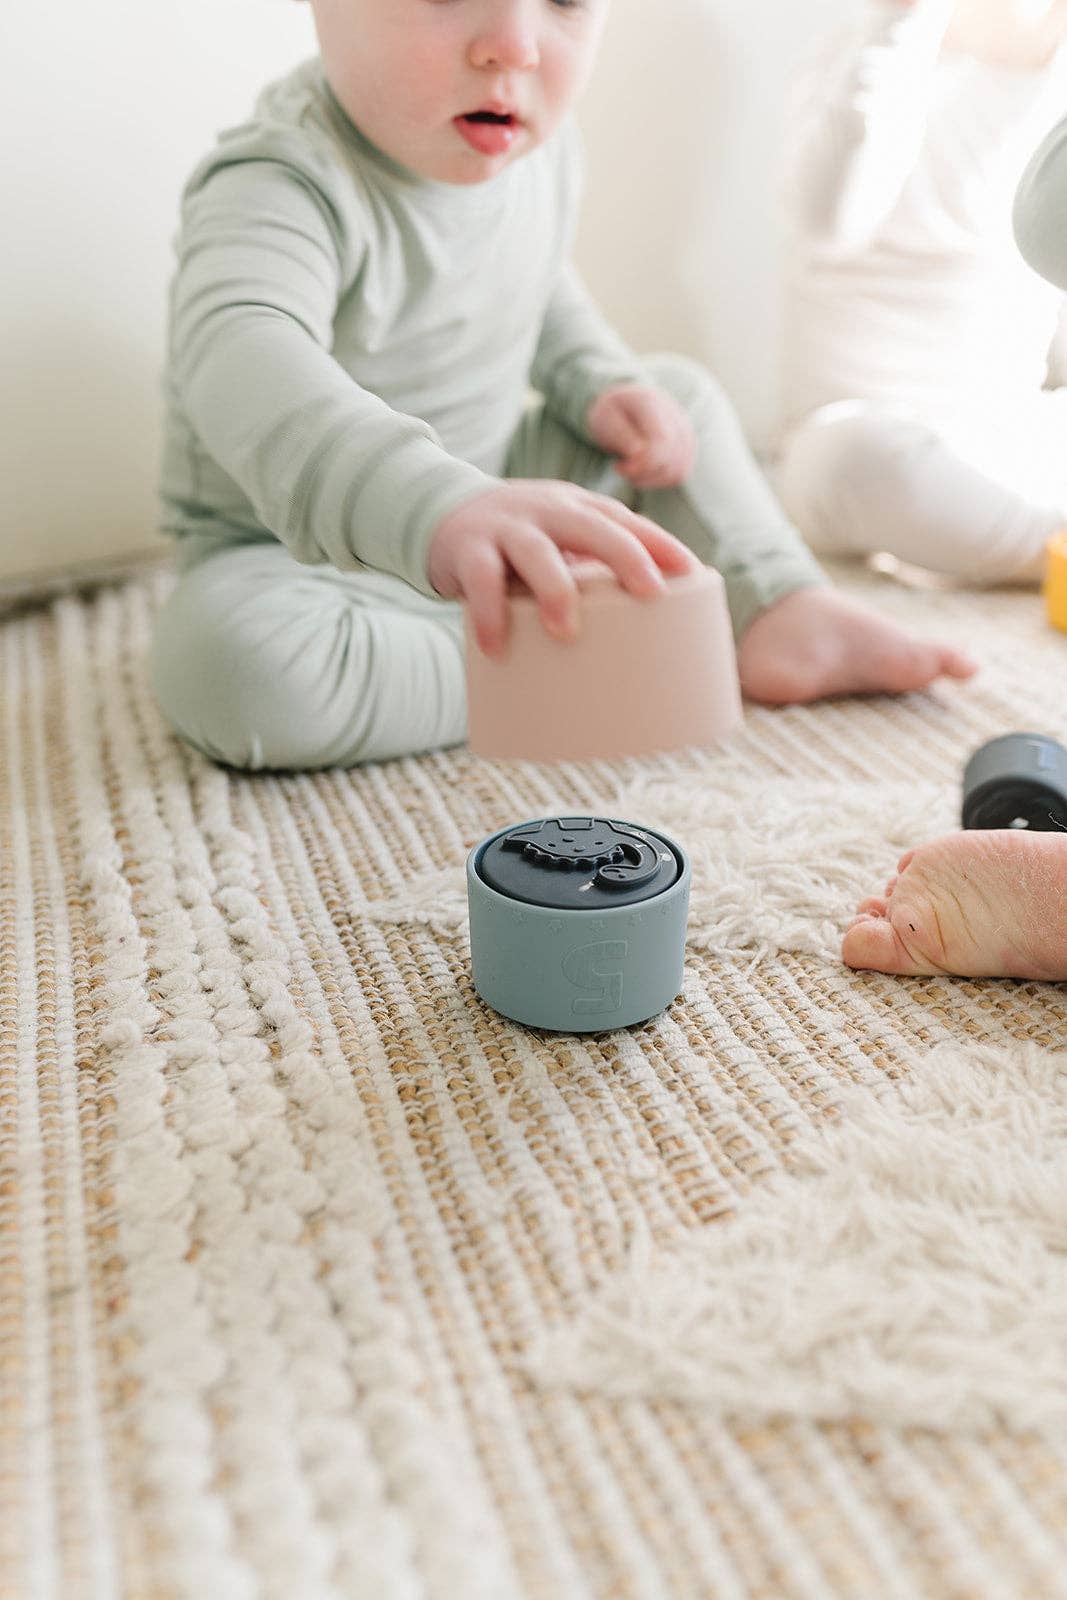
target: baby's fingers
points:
(548, 575)
(650, 468)
(669, 554)
(484, 589)
(666, 459)
(606, 529)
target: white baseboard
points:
(16, 592)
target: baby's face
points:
(457, 89)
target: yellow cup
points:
(1055, 585)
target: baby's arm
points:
(859, 120)
(530, 528)
(269, 239)
(1040, 214)
(579, 355)
(593, 381)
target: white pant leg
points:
(978, 499)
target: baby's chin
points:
(465, 168)
(456, 159)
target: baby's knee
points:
(204, 680)
(245, 686)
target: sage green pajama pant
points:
(263, 662)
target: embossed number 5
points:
(581, 968)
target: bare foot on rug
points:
(816, 642)
(981, 904)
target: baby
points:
(372, 273)
(984, 904)
(917, 339)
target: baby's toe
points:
(874, 943)
(957, 663)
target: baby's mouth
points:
(504, 119)
(489, 130)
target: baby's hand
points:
(528, 527)
(647, 430)
(1003, 33)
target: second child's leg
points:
(860, 477)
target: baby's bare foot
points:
(979, 904)
(816, 642)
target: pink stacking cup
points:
(643, 675)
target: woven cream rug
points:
(319, 1280)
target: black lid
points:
(1015, 803)
(579, 864)
(1018, 780)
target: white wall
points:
(680, 228)
(107, 105)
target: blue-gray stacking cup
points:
(578, 923)
(1017, 781)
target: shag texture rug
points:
(321, 1281)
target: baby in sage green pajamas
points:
(372, 275)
